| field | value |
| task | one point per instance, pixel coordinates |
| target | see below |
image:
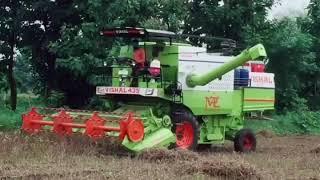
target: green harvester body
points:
(220, 112)
(192, 81)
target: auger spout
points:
(256, 52)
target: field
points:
(48, 157)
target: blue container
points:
(244, 76)
(237, 77)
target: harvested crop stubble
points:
(316, 150)
(47, 156)
(222, 167)
(74, 145)
(164, 155)
(266, 134)
(188, 162)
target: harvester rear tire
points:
(245, 141)
(187, 130)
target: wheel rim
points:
(248, 142)
(185, 135)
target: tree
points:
(25, 77)
(311, 24)
(14, 23)
(81, 51)
(172, 13)
(289, 50)
(226, 18)
(52, 16)
(314, 15)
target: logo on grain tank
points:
(212, 102)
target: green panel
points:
(222, 123)
(169, 74)
(160, 138)
(126, 51)
(169, 63)
(216, 129)
(209, 103)
(169, 56)
(157, 130)
(257, 99)
(237, 102)
(212, 130)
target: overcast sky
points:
(289, 8)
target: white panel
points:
(200, 54)
(196, 60)
(187, 67)
(265, 80)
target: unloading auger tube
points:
(256, 52)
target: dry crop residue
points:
(187, 162)
(316, 150)
(49, 157)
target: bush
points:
(55, 100)
(12, 119)
(100, 104)
(304, 122)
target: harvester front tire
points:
(245, 141)
(187, 130)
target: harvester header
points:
(95, 127)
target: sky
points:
(289, 8)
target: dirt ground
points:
(47, 157)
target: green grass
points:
(12, 119)
(292, 123)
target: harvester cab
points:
(138, 62)
(171, 94)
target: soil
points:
(50, 157)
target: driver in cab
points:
(139, 55)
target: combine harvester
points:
(168, 94)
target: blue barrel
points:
(237, 77)
(244, 76)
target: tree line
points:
(51, 47)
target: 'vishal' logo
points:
(212, 102)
